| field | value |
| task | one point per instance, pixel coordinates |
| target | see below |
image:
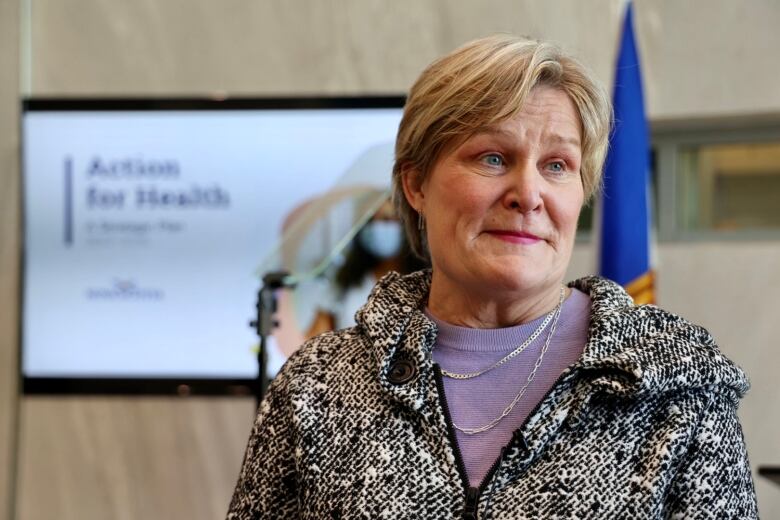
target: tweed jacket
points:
(644, 425)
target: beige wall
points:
(709, 58)
(282, 46)
(700, 57)
(96, 458)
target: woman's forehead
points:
(557, 136)
(552, 105)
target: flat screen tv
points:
(145, 223)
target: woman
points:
(485, 388)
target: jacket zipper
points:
(473, 494)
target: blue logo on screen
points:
(124, 289)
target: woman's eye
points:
(557, 167)
(492, 159)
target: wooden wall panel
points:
(9, 244)
(130, 458)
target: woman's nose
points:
(524, 189)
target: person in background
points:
(487, 387)
(378, 248)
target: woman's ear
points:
(412, 182)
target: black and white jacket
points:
(644, 425)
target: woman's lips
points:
(515, 237)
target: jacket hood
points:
(631, 350)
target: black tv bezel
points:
(155, 386)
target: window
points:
(726, 187)
(722, 181)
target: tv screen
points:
(146, 223)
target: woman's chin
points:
(508, 281)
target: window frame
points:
(667, 137)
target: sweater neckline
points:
(502, 339)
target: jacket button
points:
(401, 372)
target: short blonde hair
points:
(484, 83)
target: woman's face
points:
(501, 208)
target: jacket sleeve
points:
(714, 481)
(267, 483)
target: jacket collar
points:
(642, 349)
(631, 350)
(397, 329)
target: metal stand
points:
(265, 323)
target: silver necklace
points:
(514, 353)
(531, 376)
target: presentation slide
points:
(144, 231)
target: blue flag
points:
(625, 215)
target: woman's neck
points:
(490, 311)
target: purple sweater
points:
(475, 402)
